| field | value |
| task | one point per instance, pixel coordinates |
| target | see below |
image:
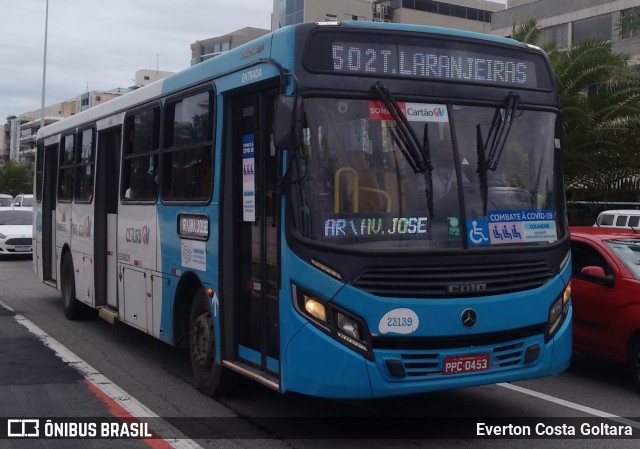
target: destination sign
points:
(192, 226)
(428, 59)
(375, 227)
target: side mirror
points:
(597, 274)
(287, 122)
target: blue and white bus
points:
(347, 210)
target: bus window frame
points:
(66, 165)
(87, 197)
(39, 170)
(127, 155)
(167, 122)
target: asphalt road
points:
(158, 376)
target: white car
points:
(16, 231)
(23, 200)
(6, 200)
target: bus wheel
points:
(210, 378)
(634, 362)
(72, 307)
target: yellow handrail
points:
(337, 197)
(337, 200)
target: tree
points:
(600, 110)
(530, 33)
(599, 102)
(15, 179)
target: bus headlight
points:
(345, 327)
(315, 308)
(557, 312)
(348, 326)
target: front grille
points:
(435, 282)
(418, 364)
(422, 358)
(19, 242)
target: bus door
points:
(105, 219)
(251, 189)
(49, 268)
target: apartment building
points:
(5, 135)
(202, 50)
(20, 132)
(569, 21)
(144, 77)
(472, 15)
(24, 129)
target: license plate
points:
(23, 248)
(466, 363)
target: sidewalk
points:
(35, 382)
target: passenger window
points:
(84, 170)
(622, 220)
(606, 220)
(140, 156)
(187, 156)
(39, 170)
(634, 221)
(66, 170)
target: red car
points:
(605, 290)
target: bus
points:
(342, 210)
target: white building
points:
(569, 21)
(147, 76)
(210, 47)
(471, 15)
(24, 128)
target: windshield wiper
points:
(490, 151)
(417, 155)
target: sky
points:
(100, 44)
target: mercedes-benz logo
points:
(469, 317)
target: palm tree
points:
(600, 110)
(597, 104)
(530, 33)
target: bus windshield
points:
(354, 182)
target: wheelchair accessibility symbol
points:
(478, 232)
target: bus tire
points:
(210, 377)
(72, 307)
(634, 362)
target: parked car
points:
(23, 201)
(605, 287)
(619, 218)
(15, 231)
(6, 200)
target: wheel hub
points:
(202, 340)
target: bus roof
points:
(254, 50)
(435, 30)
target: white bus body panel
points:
(137, 253)
(81, 235)
(112, 261)
(62, 233)
(134, 298)
(54, 254)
